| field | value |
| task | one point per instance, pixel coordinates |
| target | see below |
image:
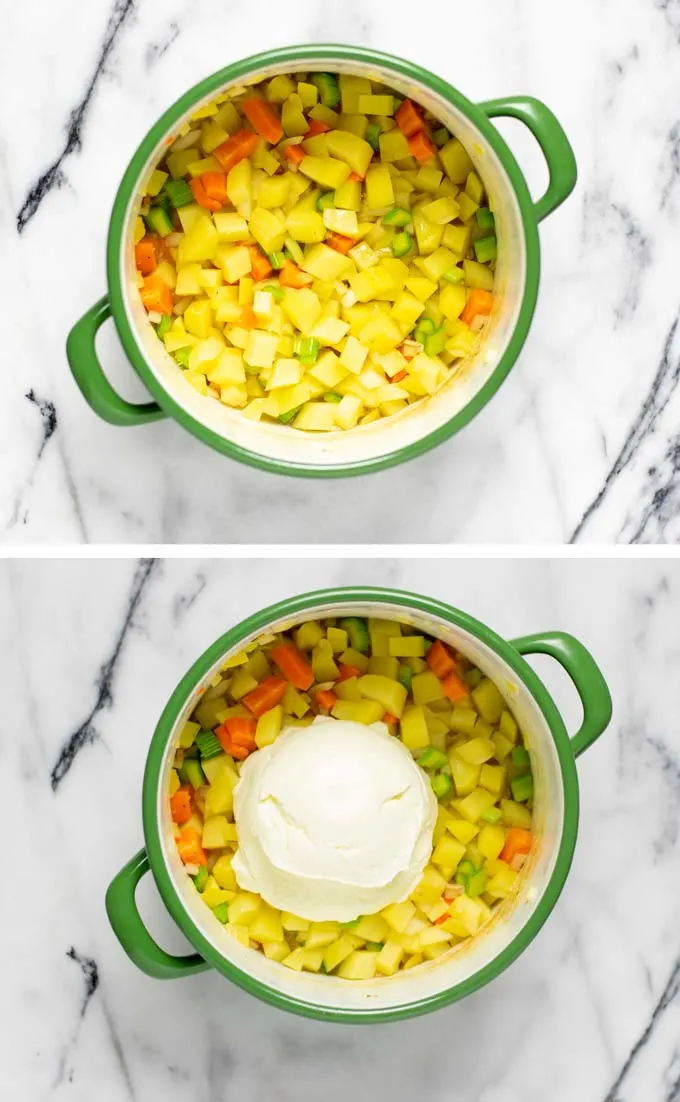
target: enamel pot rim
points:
(259, 621)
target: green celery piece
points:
(277, 260)
(493, 815)
(374, 946)
(522, 788)
(194, 773)
(397, 217)
(476, 883)
(372, 135)
(454, 275)
(485, 219)
(432, 758)
(182, 357)
(331, 396)
(472, 678)
(208, 744)
(221, 912)
(329, 92)
(486, 249)
(435, 342)
(159, 221)
(290, 415)
(325, 200)
(441, 785)
(163, 325)
(441, 136)
(401, 243)
(351, 925)
(178, 192)
(520, 757)
(464, 870)
(357, 630)
(276, 292)
(306, 349)
(424, 326)
(201, 878)
(405, 676)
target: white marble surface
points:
(581, 442)
(90, 652)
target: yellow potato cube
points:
(347, 413)
(220, 794)
(229, 369)
(364, 711)
(328, 370)
(391, 694)
(353, 355)
(371, 928)
(244, 908)
(305, 225)
(267, 925)
(336, 952)
(267, 229)
(448, 852)
(303, 308)
(312, 959)
(294, 923)
(198, 317)
(224, 874)
(413, 728)
(399, 915)
(426, 687)
(286, 372)
(441, 211)
(378, 186)
(276, 950)
(204, 355)
(231, 226)
(491, 840)
(421, 287)
(218, 832)
(389, 958)
(321, 934)
(351, 88)
(473, 806)
(327, 264)
(476, 750)
(348, 195)
(341, 221)
(187, 280)
(274, 191)
(360, 965)
(260, 350)
(239, 187)
(452, 300)
(493, 778)
(455, 160)
(269, 726)
(350, 148)
(327, 171)
(234, 261)
(316, 417)
(293, 120)
(462, 830)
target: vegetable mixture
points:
(451, 718)
(315, 250)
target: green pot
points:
(453, 975)
(278, 448)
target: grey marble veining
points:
(90, 652)
(580, 444)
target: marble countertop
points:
(581, 442)
(91, 652)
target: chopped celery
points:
(163, 325)
(476, 883)
(179, 193)
(277, 293)
(520, 757)
(357, 630)
(522, 788)
(277, 260)
(435, 342)
(440, 136)
(465, 869)
(329, 93)
(432, 758)
(221, 912)
(182, 356)
(397, 217)
(405, 676)
(201, 878)
(401, 243)
(485, 219)
(424, 326)
(331, 396)
(191, 770)
(372, 135)
(441, 785)
(493, 815)
(208, 744)
(325, 200)
(485, 249)
(289, 415)
(306, 349)
(159, 221)
(454, 275)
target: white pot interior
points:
(459, 964)
(367, 442)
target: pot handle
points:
(553, 141)
(87, 372)
(586, 675)
(133, 934)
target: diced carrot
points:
(326, 699)
(260, 266)
(389, 719)
(156, 295)
(294, 153)
(479, 302)
(455, 688)
(241, 729)
(347, 671)
(263, 118)
(215, 185)
(421, 147)
(248, 319)
(201, 196)
(399, 376)
(354, 177)
(293, 665)
(292, 276)
(267, 695)
(316, 126)
(340, 243)
(189, 847)
(146, 257)
(439, 659)
(517, 840)
(180, 805)
(442, 918)
(239, 146)
(409, 119)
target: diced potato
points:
(399, 915)
(316, 417)
(321, 934)
(360, 965)
(276, 950)
(326, 264)
(328, 171)
(218, 832)
(294, 923)
(476, 751)
(448, 852)
(455, 161)
(389, 958)
(244, 908)
(364, 711)
(267, 925)
(371, 928)
(220, 794)
(305, 225)
(267, 230)
(391, 694)
(413, 728)
(426, 687)
(303, 307)
(224, 874)
(353, 150)
(473, 806)
(491, 840)
(336, 952)
(379, 190)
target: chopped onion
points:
(349, 299)
(154, 317)
(173, 240)
(188, 141)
